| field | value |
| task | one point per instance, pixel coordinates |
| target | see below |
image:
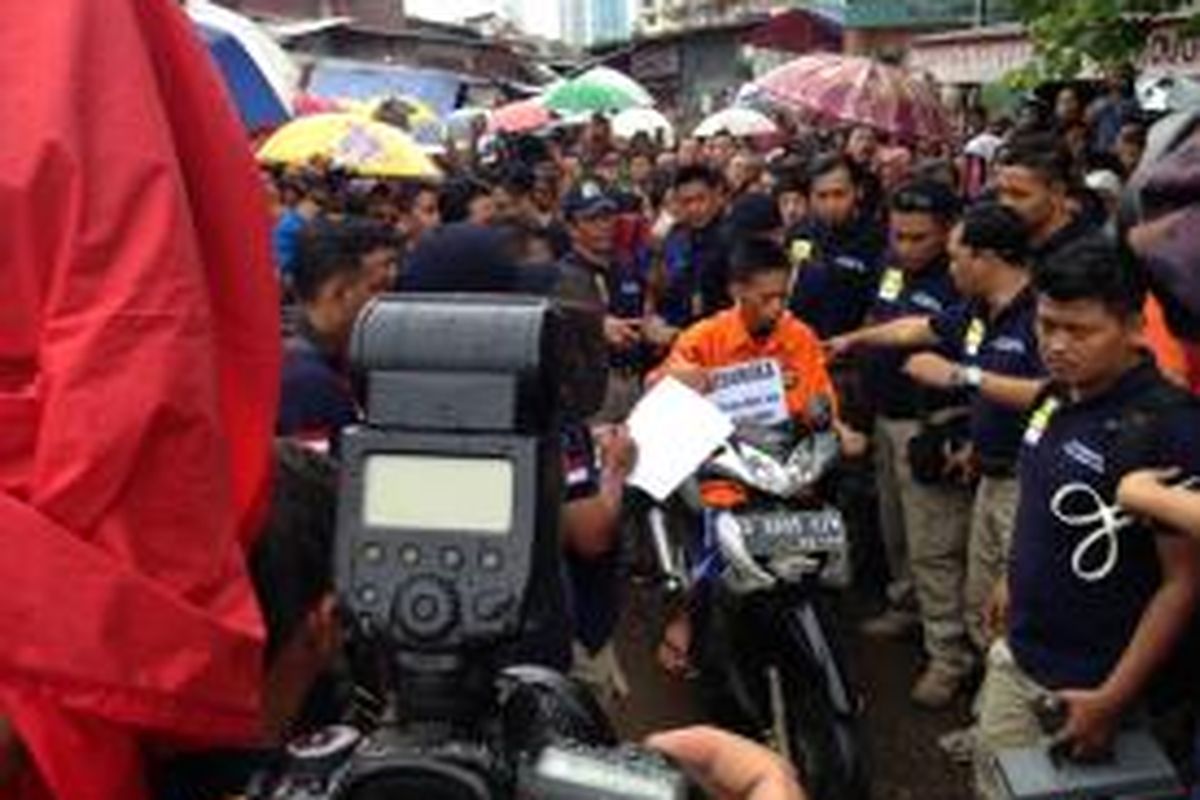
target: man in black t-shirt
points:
(1096, 601)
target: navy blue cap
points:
(588, 199)
(465, 257)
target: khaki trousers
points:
(993, 517)
(935, 522)
(1006, 718)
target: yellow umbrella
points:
(360, 145)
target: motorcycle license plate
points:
(777, 533)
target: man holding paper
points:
(738, 356)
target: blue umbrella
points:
(257, 101)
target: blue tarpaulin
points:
(358, 80)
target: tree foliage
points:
(1071, 35)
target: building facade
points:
(586, 23)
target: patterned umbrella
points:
(857, 90)
(363, 146)
(520, 117)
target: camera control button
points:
(491, 606)
(452, 558)
(491, 560)
(410, 555)
(425, 608)
(373, 552)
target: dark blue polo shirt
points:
(316, 400)
(1003, 343)
(838, 273)
(680, 301)
(1073, 613)
(697, 274)
(927, 293)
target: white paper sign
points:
(676, 430)
(751, 392)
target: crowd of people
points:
(971, 310)
(1016, 412)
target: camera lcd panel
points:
(436, 493)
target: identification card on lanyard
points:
(973, 341)
(891, 286)
(1040, 420)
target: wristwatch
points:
(970, 377)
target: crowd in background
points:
(920, 267)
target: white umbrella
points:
(1164, 93)
(737, 121)
(277, 66)
(632, 121)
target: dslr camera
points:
(447, 525)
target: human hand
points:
(622, 334)
(960, 464)
(838, 346)
(1138, 490)
(618, 451)
(932, 370)
(658, 333)
(1092, 720)
(854, 444)
(729, 767)
(696, 377)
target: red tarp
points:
(139, 357)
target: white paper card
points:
(751, 392)
(676, 430)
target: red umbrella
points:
(858, 90)
(520, 117)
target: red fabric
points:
(139, 364)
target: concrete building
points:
(586, 23)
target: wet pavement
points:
(906, 763)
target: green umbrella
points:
(600, 89)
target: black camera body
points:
(448, 515)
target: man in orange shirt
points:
(758, 327)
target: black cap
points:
(588, 199)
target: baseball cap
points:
(588, 199)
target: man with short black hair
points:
(467, 199)
(758, 326)
(695, 268)
(291, 566)
(1095, 601)
(924, 519)
(340, 266)
(992, 348)
(837, 251)
(1036, 176)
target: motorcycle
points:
(757, 582)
